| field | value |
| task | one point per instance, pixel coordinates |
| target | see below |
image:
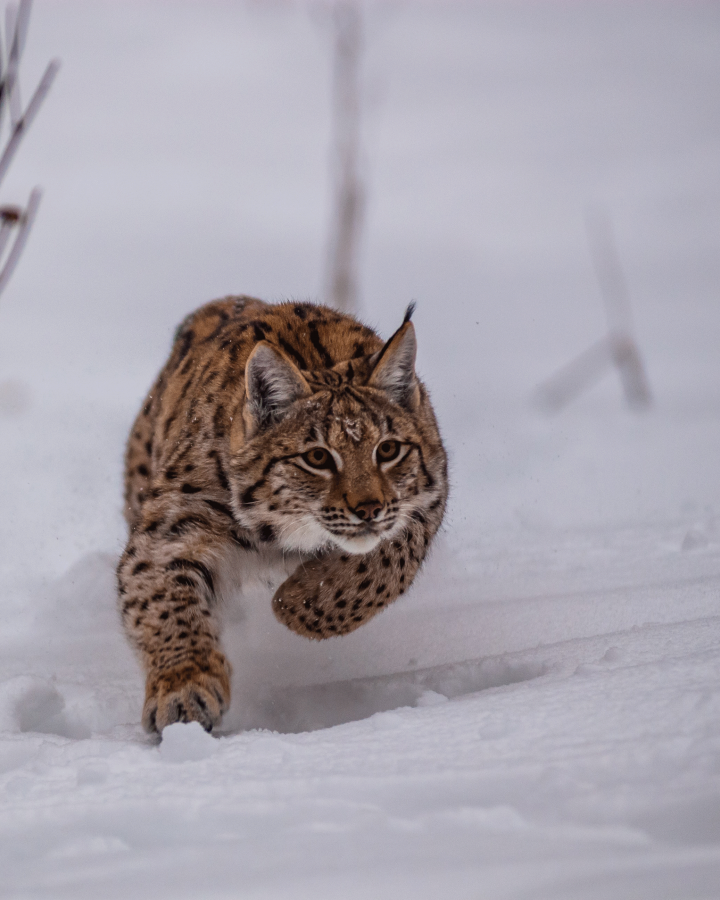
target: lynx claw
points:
(182, 696)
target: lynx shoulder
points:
(285, 433)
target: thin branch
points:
(24, 122)
(349, 195)
(16, 26)
(9, 218)
(16, 250)
(615, 295)
(608, 270)
(17, 19)
(575, 377)
(626, 357)
(9, 73)
(23, 23)
(618, 347)
(3, 84)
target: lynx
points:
(286, 437)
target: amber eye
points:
(387, 450)
(319, 458)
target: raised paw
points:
(326, 597)
(189, 692)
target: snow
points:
(540, 716)
(186, 742)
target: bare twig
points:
(25, 120)
(609, 273)
(618, 347)
(575, 377)
(12, 47)
(26, 222)
(11, 217)
(627, 359)
(16, 25)
(349, 195)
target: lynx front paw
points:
(189, 692)
(326, 598)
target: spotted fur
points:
(286, 432)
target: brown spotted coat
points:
(268, 430)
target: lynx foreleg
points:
(167, 600)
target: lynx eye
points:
(319, 458)
(388, 450)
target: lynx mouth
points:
(358, 545)
(366, 538)
(312, 537)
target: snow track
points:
(540, 767)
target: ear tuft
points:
(394, 370)
(272, 384)
(409, 311)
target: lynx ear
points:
(394, 370)
(272, 384)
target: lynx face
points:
(346, 470)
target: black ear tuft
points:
(394, 370)
(409, 311)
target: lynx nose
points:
(368, 510)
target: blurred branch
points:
(16, 26)
(22, 124)
(348, 193)
(628, 361)
(618, 348)
(25, 221)
(575, 377)
(608, 271)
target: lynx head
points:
(341, 457)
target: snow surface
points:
(540, 716)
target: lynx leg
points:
(168, 606)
